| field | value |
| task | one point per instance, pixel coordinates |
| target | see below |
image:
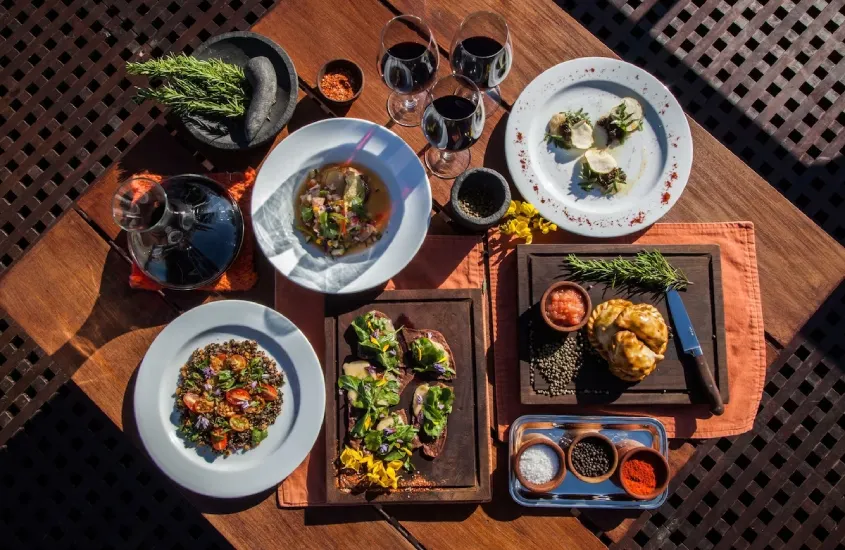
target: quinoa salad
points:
(228, 396)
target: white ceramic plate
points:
(331, 141)
(289, 439)
(656, 159)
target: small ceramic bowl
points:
(552, 483)
(595, 436)
(355, 73)
(564, 285)
(487, 182)
(661, 470)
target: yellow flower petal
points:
(395, 464)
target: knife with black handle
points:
(689, 341)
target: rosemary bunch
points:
(649, 270)
(193, 86)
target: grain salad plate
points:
(288, 439)
(656, 158)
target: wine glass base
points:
(447, 165)
(406, 110)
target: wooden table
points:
(70, 293)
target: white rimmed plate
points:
(289, 439)
(332, 141)
(656, 159)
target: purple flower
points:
(399, 441)
(428, 335)
(207, 386)
(440, 406)
(419, 399)
(202, 423)
(392, 353)
(208, 372)
(376, 333)
(439, 367)
(388, 431)
(244, 405)
(383, 449)
(253, 384)
(216, 392)
(371, 369)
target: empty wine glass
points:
(407, 62)
(452, 122)
(482, 51)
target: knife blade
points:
(691, 346)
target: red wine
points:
(408, 67)
(483, 60)
(453, 123)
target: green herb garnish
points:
(608, 183)
(649, 270)
(436, 409)
(373, 396)
(429, 356)
(393, 443)
(193, 86)
(377, 340)
(560, 127)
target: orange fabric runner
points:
(443, 262)
(746, 348)
(241, 274)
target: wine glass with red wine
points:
(407, 62)
(482, 52)
(452, 122)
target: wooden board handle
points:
(713, 395)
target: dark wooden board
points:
(675, 380)
(462, 471)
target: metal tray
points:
(574, 493)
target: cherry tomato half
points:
(270, 393)
(204, 406)
(219, 439)
(239, 423)
(237, 396)
(236, 362)
(217, 362)
(255, 408)
(190, 400)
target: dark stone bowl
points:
(238, 48)
(494, 185)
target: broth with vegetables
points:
(342, 208)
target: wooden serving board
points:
(675, 380)
(462, 471)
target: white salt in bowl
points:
(558, 477)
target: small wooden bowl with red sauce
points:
(566, 306)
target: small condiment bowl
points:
(612, 448)
(588, 305)
(552, 483)
(489, 182)
(661, 471)
(355, 72)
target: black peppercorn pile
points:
(591, 458)
(476, 201)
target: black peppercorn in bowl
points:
(480, 198)
(592, 457)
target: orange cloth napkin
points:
(442, 262)
(746, 353)
(241, 274)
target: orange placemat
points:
(746, 353)
(442, 262)
(241, 274)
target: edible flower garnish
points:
(377, 340)
(430, 356)
(524, 220)
(378, 472)
(373, 395)
(436, 410)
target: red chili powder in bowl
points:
(640, 476)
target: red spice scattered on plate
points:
(673, 176)
(665, 198)
(640, 218)
(519, 137)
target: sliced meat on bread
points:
(430, 447)
(411, 334)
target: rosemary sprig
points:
(648, 270)
(193, 86)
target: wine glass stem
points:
(410, 103)
(446, 155)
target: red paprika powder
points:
(639, 476)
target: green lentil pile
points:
(591, 457)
